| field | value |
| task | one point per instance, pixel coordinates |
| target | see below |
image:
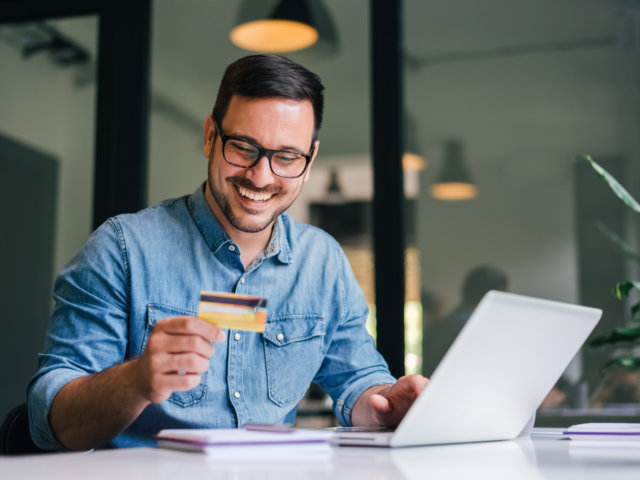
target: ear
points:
(209, 131)
(316, 147)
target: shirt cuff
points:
(40, 397)
(343, 407)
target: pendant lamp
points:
(283, 26)
(454, 181)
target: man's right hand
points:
(91, 410)
(177, 353)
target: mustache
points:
(249, 185)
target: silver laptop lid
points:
(503, 363)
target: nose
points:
(260, 174)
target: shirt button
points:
(236, 336)
(280, 337)
(242, 280)
(232, 248)
(236, 394)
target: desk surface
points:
(524, 458)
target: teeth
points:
(259, 197)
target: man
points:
(126, 355)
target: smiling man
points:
(126, 354)
(249, 190)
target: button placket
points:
(240, 284)
(235, 376)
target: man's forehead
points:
(278, 103)
(253, 116)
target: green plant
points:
(629, 334)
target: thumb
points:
(379, 404)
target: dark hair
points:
(479, 281)
(270, 76)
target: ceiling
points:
(465, 60)
(191, 49)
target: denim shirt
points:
(136, 269)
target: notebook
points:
(503, 363)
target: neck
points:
(251, 244)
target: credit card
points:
(233, 311)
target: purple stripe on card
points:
(248, 302)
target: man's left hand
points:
(387, 405)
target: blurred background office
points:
(499, 98)
(438, 334)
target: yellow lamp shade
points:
(276, 36)
(454, 181)
(453, 191)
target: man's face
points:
(250, 199)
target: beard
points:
(239, 223)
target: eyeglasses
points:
(244, 154)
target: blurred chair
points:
(14, 434)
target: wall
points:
(43, 108)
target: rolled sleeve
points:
(343, 406)
(42, 391)
(88, 328)
(352, 364)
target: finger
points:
(181, 383)
(192, 325)
(408, 387)
(382, 410)
(174, 382)
(417, 383)
(379, 403)
(180, 343)
(390, 405)
(161, 342)
(179, 362)
(187, 363)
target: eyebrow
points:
(250, 139)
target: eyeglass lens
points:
(245, 154)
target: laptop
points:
(489, 384)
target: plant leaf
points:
(617, 242)
(629, 362)
(622, 334)
(622, 289)
(635, 309)
(618, 189)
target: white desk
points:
(522, 459)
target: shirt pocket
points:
(293, 355)
(155, 313)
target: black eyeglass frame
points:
(263, 152)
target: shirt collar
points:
(216, 237)
(279, 243)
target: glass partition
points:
(507, 94)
